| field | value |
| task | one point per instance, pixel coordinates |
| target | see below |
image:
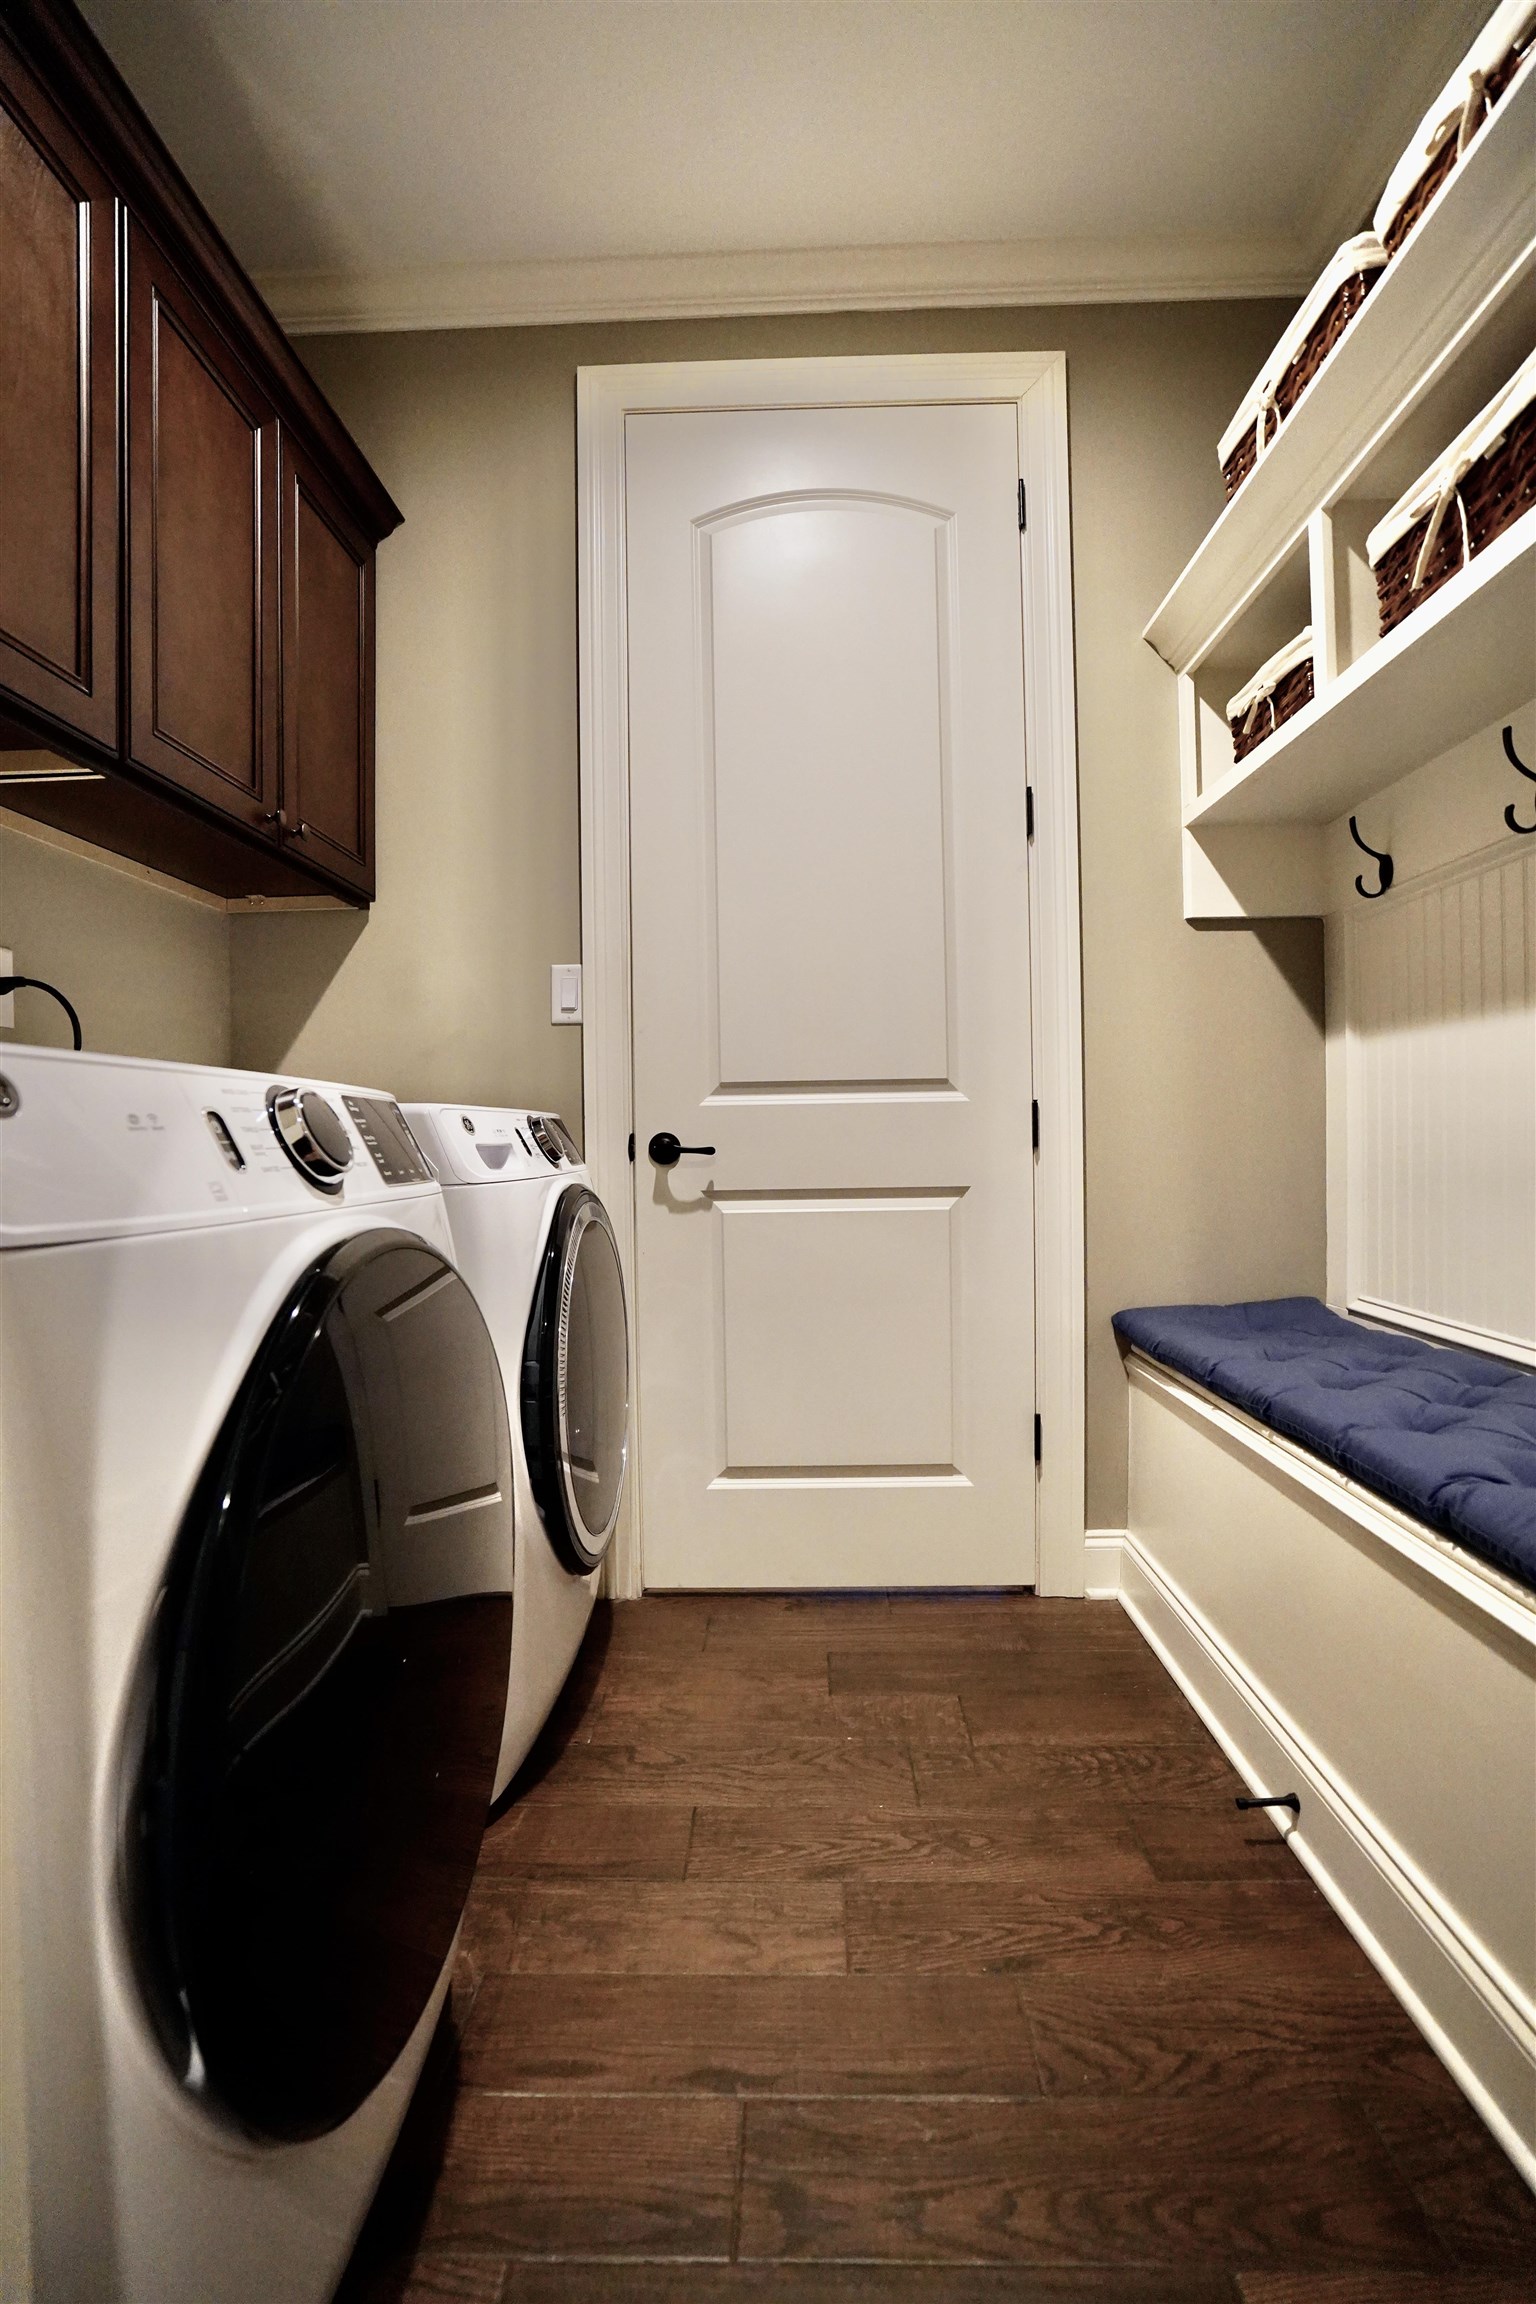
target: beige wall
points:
(147, 967)
(1203, 1050)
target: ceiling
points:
(386, 163)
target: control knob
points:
(313, 1135)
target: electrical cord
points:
(36, 984)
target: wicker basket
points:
(1482, 486)
(1298, 356)
(1484, 76)
(1275, 694)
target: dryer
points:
(534, 1242)
(255, 1566)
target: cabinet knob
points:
(277, 816)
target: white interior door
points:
(830, 951)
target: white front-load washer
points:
(534, 1242)
(255, 1569)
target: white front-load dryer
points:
(534, 1242)
(255, 1567)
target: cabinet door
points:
(58, 417)
(327, 679)
(202, 582)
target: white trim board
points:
(963, 275)
(1484, 2039)
(1036, 384)
(1103, 1552)
(1305, 1627)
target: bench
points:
(1355, 1620)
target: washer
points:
(535, 1244)
(255, 1566)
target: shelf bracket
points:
(1254, 872)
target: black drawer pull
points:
(1274, 1800)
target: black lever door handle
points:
(666, 1151)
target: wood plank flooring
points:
(911, 1951)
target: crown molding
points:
(971, 274)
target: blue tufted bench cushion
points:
(1447, 1436)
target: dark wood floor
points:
(912, 1950)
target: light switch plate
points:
(7, 1000)
(565, 992)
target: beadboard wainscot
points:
(1431, 1052)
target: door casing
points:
(1035, 383)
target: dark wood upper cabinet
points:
(327, 677)
(187, 530)
(202, 552)
(58, 415)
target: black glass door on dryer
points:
(576, 1382)
(325, 1694)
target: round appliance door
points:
(324, 1694)
(576, 1382)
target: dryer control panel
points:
(387, 1139)
(96, 1146)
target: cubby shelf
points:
(1452, 666)
(1477, 240)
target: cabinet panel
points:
(202, 616)
(58, 417)
(167, 466)
(327, 679)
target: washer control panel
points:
(492, 1144)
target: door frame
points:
(1035, 384)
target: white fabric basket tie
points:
(1462, 105)
(1439, 487)
(1250, 701)
(1259, 412)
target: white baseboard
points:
(1482, 2031)
(1102, 1549)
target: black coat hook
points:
(1515, 761)
(1384, 864)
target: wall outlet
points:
(565, 992)
(8, 999)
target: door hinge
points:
(1023, 511)
(1029, 811)
(1039, 1447)
(631, 1145)
(1034, 1123)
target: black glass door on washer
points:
(325, 1694)
(576, 1382)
